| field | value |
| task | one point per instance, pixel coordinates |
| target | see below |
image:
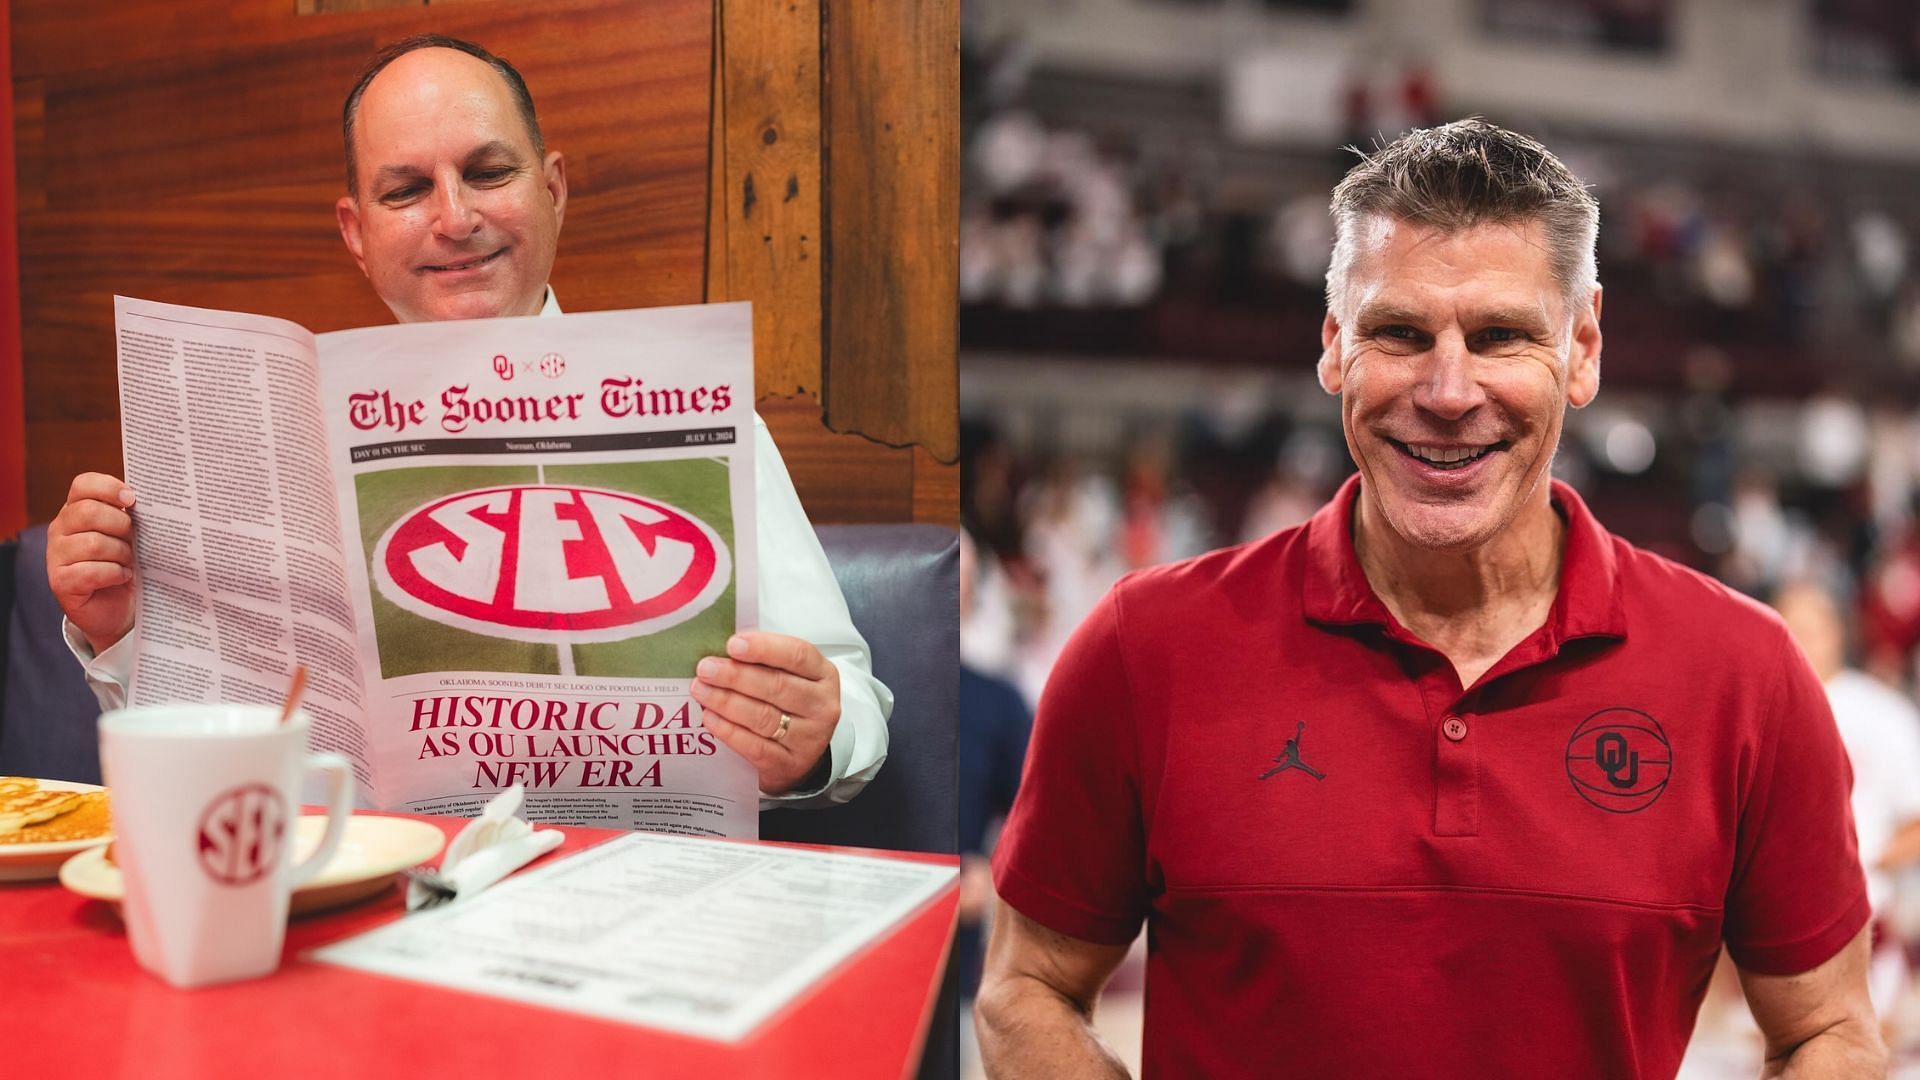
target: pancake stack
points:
(31, 814)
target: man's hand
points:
(90, 558)
(1819, 1023)
(746, 693)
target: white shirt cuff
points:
(107, 673)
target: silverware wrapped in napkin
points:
(492, 846)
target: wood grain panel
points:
(68, 448)
(936, 489)
(842, 479)
(152, 127)
(768, 247)
(852, 479)
(13, 419)
(29, 130)
(190, 152)
(893, 146)
(334, 7)
(765, 226)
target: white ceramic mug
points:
(205, 799)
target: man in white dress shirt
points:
(453, 211)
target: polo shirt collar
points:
(1588, 604)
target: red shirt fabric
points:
(1529, 877)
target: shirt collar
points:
(1588, 603)
(552, 304)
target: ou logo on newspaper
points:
(552, 563)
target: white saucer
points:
(372, 851)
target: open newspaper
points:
(499, 546)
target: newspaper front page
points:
(499, 546)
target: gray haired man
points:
(1545, 776)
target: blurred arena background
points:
(1144, 234)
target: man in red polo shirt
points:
(1448, 781)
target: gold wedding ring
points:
(781, 731)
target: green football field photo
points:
(410, 643)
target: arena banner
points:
(499, 546)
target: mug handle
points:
(339, 809)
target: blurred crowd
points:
(1761, 495)
(1065, 217)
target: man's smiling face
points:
(457, 215)
(1455, 359)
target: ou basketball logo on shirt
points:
(1620, 760)
(552, 563)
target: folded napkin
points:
(492, 846)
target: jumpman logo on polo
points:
(1290, 757)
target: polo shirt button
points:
(1454, 728)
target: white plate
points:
(29, 862)
(372, 851)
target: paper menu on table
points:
(700, 937)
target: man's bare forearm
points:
(1028, 1029)
(1851, 1049)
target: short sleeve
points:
(1798, 891)
(107, 673)
(1072, 854)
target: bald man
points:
(453, 211)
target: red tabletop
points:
(74, 1003)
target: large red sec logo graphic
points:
(241, 831)
(1619, 760)
(543, 562)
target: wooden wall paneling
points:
(936, 489)
(189, 152)
(765, 232)
(893, 152)
(714, 276)
(335, 7)
(842, 479)
(13, 418)
(68, 448)
(330, 7)
(852, 479)
(51, 37)
(29, 132)
(767, 247)
(763, 238)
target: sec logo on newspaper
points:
(543, 562)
